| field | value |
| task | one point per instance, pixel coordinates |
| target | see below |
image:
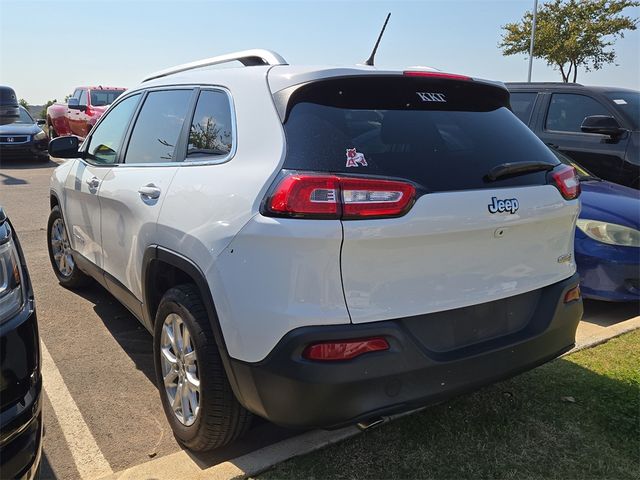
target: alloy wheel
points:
(180, 369)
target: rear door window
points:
(373, 126)
(211, 131)
(567, 111)
(522, 105)
(157, 129)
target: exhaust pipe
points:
(372, 422)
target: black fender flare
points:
(158, 253)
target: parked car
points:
(320, 246)
(8, 105)
(24, 138)
(607, 243)
(21, 425)
(84, 108)
(598, 127)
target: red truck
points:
(84, 108)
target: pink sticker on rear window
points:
(355, 158)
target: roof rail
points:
(248, 58)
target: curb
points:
(607, 334)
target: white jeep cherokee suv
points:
(320, 246)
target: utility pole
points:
(533, 35)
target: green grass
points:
(521, 428)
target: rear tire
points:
(213, 417)
(60, 255)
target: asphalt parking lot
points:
(102, 409)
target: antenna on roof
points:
(369, 61)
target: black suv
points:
(20, 378)
(598, 127)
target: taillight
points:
(306, 195)
(344, 349)
(566, 179)
(448, 76)
(310, 195)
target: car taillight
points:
(566, 179)
(449, 76)
(311, 195)
(344, 349)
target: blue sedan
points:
(607, 242)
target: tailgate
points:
(449, 251)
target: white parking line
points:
(85, 452)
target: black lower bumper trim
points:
(291, 391)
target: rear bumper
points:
(289, 390)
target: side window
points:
(83, 98)
(106, 141)
(568, 110)
(157, 129)
(211, 131)
(522, 105)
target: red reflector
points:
(573, 294)
(449, 76)
(344, 349)
(329, 196)
(566, 179)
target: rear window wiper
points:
(513, 169)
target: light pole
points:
(533, 35)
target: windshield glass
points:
(24, 117)
(629, 104)
(100, 98)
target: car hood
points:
(19, 129)
(610, 202)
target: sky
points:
(47, 48)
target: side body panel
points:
(81, 209)
(129, 220)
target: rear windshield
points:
(441, 135)
(100, 98)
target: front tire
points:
(52, 131)
(196, 396)
(60, 254)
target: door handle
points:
(93, 182)
(149, 191)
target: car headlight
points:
(41, 135)
(610, 233)
(11, 279)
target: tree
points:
(43, 112)
(571, 34)
(24, 103)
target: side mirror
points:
(73, 104)
(602, 124)
(41, 122)
(64, 147)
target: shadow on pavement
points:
(25, 164)
(136, 342)
(605, 314)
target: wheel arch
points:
(157, 260)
